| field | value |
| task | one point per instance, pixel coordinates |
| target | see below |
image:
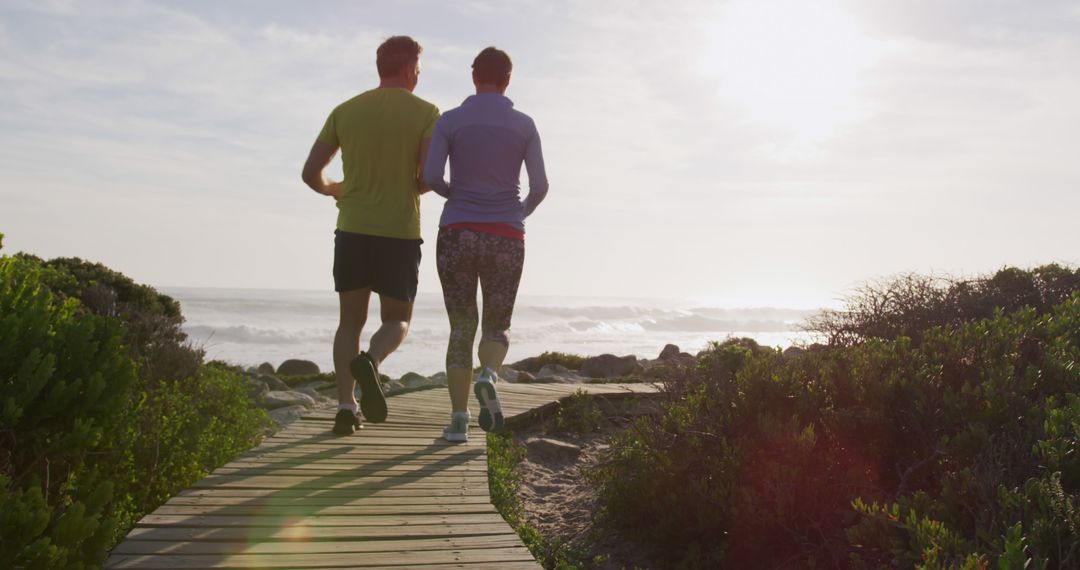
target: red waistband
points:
(503, 230)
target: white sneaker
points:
(458, 430)
(491, 414)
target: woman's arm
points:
(534, 166)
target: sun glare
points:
(791, 66)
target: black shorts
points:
(389, 266)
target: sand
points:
(556, 495)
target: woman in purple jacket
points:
(482, 231)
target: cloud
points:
(973, 24)
(167, 138)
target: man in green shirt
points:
(383, 135)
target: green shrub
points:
(187, 429)
(90, 439)
(911, 304)
(152, 321)
(578, 414)
(535, 363)
(65, 404)
(959, 450)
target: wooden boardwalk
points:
(392, 495)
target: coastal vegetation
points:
(106, 410)
(536, 363)
(939, 427)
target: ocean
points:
(251, 326)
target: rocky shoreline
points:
(295, 387)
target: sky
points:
(736, 152)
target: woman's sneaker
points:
(458, 430)
(491, 415)
(372, 401)
(346, 422)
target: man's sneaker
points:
(346, 422)
(458, 430)
(372, 401)
(491, 415)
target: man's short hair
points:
(492, 67)
(395, 54)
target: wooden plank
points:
(326, 510)
(392, 495)
(321, 501)
(324, 449)
(309, 533)
(360, 438)
(386, 463)
(400, 557)
(359, 485)
(431, 469)
(328, 421)
(340, 493)
(473, 454)
(359, 475)
(306, 521)
(404, 427)
(334, 546)
(355, 469)
(530, 565)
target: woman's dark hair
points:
(492, 67)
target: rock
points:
(296, 367)
(525, 364)
(394, 387)
(793, 352)
(438, 379)
(265, 368)
(273, 382)
(287, 415)
(668, 352)
(524, 377)
(256, 389)
(318, 386)
(672, 356)
(546, 449)
(320, 399)
(553, 369)
(509, 374)
(610, 366)
(414, 380)
(558, 374)
(280, 398)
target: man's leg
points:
(354, 308)
(396, 316)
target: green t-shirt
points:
(379, 132)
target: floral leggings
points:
(465, 257)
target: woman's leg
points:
(500, 275)
(455, 258)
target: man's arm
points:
(320, 156)
(421, 186)
(435, 164)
